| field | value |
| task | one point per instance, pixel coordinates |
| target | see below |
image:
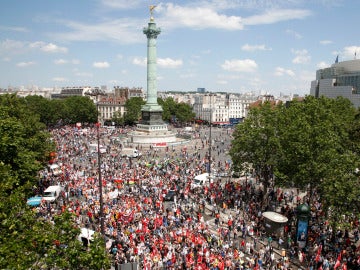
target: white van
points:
(130, 152)
(201, 180)
(93, 147)
(52, 193)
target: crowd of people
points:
(216, 226)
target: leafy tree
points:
(308, 144)
(169, 107)
(80, 109)
(26, 241)
(256, 142)
(24, 145)
(314, 134)
(340, 191)
(133, 110)
(184, 113)
(118, 119)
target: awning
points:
(34, 201)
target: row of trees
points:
(63, 111)
(182, 112)
(27, 241)
(82, 109)
(309, 144)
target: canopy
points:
(34, 201)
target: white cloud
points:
(64, 61)
(350, 51)
(48, 47)
(277, 15)
(169, 63)
(122, 4)
(252, 48)
(59, 79)
(11, 46)
(293, 33)
(199, 17)
(279, 71)
(237, 65)
(140, 61)
(123, 31)
(302, 56)
(60, 61)
(322, 65)
(25, 64)
(13, 28)
(101, 64)
(325, 42)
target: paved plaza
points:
(217, 226)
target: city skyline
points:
(234, 46)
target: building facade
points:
(341, 79)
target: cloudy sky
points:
(272, 46)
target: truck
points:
(130, 152)
(52, 193)
(202, 180)
(93, 147)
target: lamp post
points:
(101, 217)
(209, 169)
(98, 93)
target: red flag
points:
(318, 254)
(338, 261)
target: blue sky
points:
(238, 46)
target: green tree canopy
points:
(79, 109)
(24, 143)
(184, 113)
(169, 108)
(133, 110)
(256, 142)
(308, 144)
(26, 241)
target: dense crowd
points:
(219, 226)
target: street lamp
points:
(209, 168)
(98, 93)
(101, 217)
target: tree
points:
(133, 110)
(26, 241)
(314, 134)
(24, 144)
(256, 142)
(79, 109)
(118, 119)
(184, 113)
(169, 108)
(310, 144)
